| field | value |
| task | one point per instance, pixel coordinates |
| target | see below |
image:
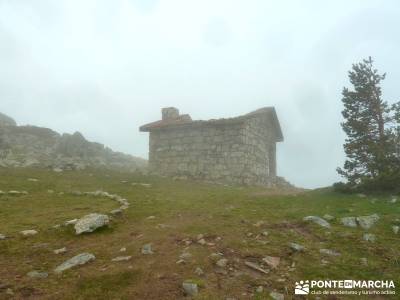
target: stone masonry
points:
(240, 150)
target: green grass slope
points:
(228, 217)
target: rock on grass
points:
(369, 237)
(296, 247)
(329, 252)
(91, 222)
(349, 221)
(276, 296)
(29, 232)
(77, 260)
(147, 249)
(366, 222)
(317, 220)
(190, 288)
(37, 274)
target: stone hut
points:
(239, 150)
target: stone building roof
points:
(177, 120)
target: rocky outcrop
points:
(31, 146)
(6, 121)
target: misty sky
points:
(106, 67)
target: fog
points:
(106, 67)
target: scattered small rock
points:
(393, 199)
(77, 260)
(360, 195)
(216, 256)
(202, 242)
(265, 233)
(146, 249)
(277, 296)
(40, 245)
(10, 292)
(71, 222)
(329, 252)
(29, 232)
(328, 217)
(90, 223)
(61, 250)
(151, 218)
(349, 221)
(395, 229)
(318, 221)
(364, 261)
(199, 271)
(116, 212)
(272, 261)
(190, 288)
(369, 237)
(16, 193)
(2, 237)
(255, 267)
(121, 258)
(259, 289)
(33, 179)
(123, 249)
(185, 256)
(296, 247)
(222, 262)
(259, 223)
(37, 274)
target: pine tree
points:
(370, 125)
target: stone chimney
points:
(170, 113)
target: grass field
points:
(228, 217)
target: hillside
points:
(213, 236)
(32, 146)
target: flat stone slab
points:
(317, 220)
(77, 260)
(91, 222)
